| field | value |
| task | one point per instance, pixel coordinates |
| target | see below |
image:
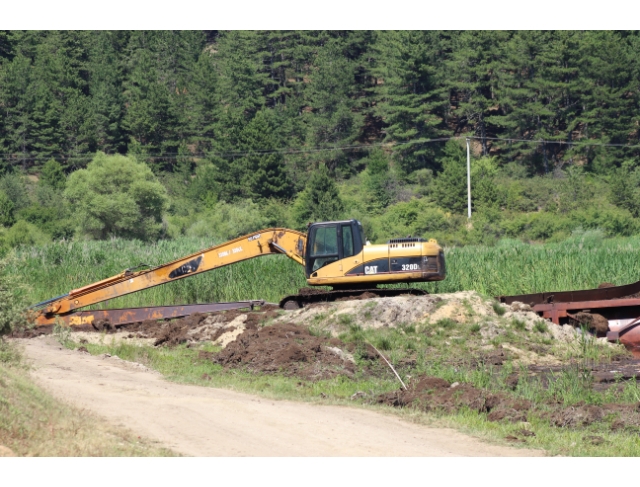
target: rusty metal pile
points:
(617, 306)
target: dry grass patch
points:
(33, 423)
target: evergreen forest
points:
(154, 135)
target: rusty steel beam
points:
(625, 330)
(117, 317)
(607, 293)
(557, 310)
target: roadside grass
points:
(511, 267)
(446, 349)
(33, 423)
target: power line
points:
(311, 150)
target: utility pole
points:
(468, 180)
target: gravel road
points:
(203, 421)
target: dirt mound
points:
(290, 350)
(435, 394)
(593, 321)
(221, 327)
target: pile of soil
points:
(196, 327)
(435, 394)
(290, 350)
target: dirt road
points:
(201, 421)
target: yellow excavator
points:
(334, 254)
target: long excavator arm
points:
(264, 242)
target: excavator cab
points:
(329, 242)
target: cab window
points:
(324, 248)
(347, 241)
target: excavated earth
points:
(435, 394)
(290, 350)
(304, 343)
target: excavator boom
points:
(264, 242)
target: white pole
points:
(468, 181)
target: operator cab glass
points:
(325, 246)
(331, 241)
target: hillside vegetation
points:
(242, 130)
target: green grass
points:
(511, 267)
(58, 267)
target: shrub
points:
(498, 308)
(541, 327)
(53, 175)
(6, 210)
(117, 196)
(229, 220)
(12, 305)
(14, 186)
(24, 233)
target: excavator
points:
(333, 254)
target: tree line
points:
(243, 129)
(166, 95)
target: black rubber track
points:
(319, 296)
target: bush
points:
(117, 196)
(24, 233)
(227, 221)
(52, 175)
(14, 186)
(6, 210)
(12, 305)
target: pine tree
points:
(105, 88)
(16, 107)
(411, 98)
(333, 120)
(450, 187)
(53, 175)
(6, 45)
(472, 77)
(264, 174)
(320, 201)
(149, 118)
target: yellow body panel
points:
(336, 273)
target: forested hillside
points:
(248, 129)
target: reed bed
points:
(511, 267)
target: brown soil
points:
(172, 333)
(434, 394)
(593, 321)
(287, 349)
(309, 291)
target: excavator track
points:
(309, 296)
